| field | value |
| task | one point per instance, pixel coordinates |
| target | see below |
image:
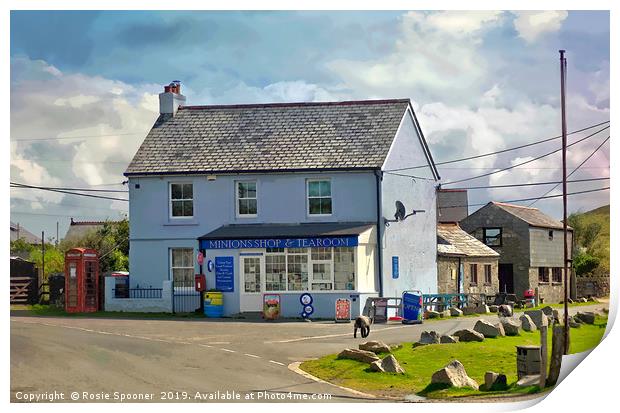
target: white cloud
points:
(436, 53)
(47, 103)
(532, 24)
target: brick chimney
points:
(171, 98)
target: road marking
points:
(292, 340)
(294, 367)
(277, 362)
(230, 351)
(205, 345)
(252, 355)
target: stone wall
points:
(592, 286)
(481, 287)
(141, 305)
(447, 275)
(515, 247)
(551, 292)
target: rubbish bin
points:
(213, 304)
(528, 360)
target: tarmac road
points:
(187, 360)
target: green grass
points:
(421, 362)
(51, 311)
(601, 244)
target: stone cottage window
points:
(492, 237)
(181, 200)
(487, 274)
(543, 274)
(556, 274)
(473, 272)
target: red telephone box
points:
(81, 280)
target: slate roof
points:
(19, 232)
(532, 216)
(267, 137)
(255, 231)
(452, 240)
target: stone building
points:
(464, 264)
(530, 244)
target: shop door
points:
(252, 280)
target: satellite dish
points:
(400, 213)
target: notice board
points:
(225, 274)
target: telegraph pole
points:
(563, 100)
(42, 256)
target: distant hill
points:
(600, 246)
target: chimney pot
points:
(171, 98)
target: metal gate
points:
(185, 298)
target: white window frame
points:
(310, 263)
(237, 199)
(171, 268)
(182, 200)
(331, 196)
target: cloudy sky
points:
(84, 90)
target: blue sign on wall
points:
(395, 267)
(233, 244)
(225, 274)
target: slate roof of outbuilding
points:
(267, 137)
(532, 216)
(452, 240)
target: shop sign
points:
(279, 243)
(224, 274)
(343, 310)
(271, 306)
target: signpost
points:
(343, 310)
(224, 274)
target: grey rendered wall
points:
(547, 252)
(414, 240)
(281, 199)
(515, 240)
(451, 205)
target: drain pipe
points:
(380, 228)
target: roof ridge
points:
(512, 205)
(296, 104)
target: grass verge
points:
(493, 354)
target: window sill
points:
(557, 283)
(180, 222)
(544, 283)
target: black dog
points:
(363, 323)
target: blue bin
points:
(214, 311)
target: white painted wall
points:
(144, 305)
(414, 240)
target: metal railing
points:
(139, 293)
